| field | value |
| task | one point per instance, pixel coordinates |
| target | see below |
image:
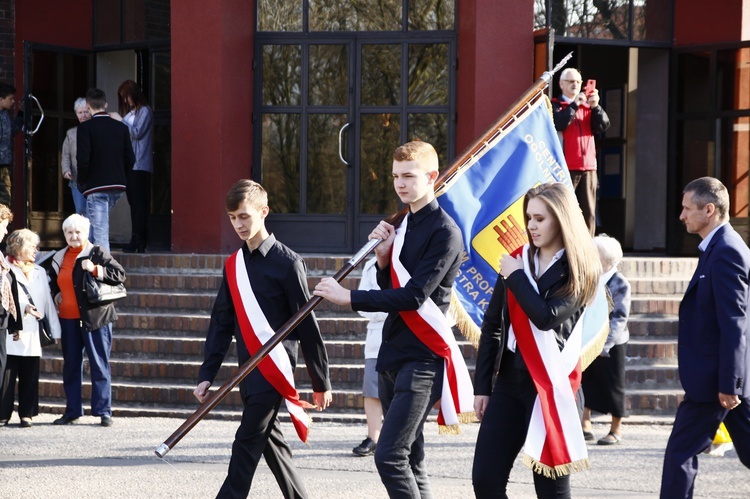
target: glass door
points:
(55, 77)
(337, 88)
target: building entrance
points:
(331, 106)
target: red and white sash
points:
(429, 324)
(276, 368)
(554, 442)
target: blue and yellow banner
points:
(485, 198)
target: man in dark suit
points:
(105, 155)
(714, 331)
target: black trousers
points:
(694, 429)
(3, 354)
(585, 184)
(259, 435)
(26, 371)
(138, 191)
(503, 433)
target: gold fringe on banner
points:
(465, 324)
(556, 471)
(455, 429)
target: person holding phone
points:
(578, 116)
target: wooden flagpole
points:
(464, 159)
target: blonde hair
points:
(20, 238)
(5, 213)
(421, 152)
(583, 258)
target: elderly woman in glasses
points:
(84, 325)
(24, 349)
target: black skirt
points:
(604, 383)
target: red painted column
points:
(212, 89)
(495, 61)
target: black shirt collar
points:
(264, 247)
(423, 212)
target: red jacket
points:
(577, 126)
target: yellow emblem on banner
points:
(504, 235)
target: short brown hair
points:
(5, 213)
(246, 190)
(419, 151)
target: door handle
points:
(41, 118)
(341, 146)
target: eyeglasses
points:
(573, 81)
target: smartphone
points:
(590, 87)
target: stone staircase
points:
(158, 340)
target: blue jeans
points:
(78, 199)
(98, 206)
(98, 345)
(408, 396)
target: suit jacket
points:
(105, 155)
(546, 310)
(713, 329)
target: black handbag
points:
(45, 336)
(98, 292)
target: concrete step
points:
(661, 402)
(655, 304)
(652, 325)
(648, 285)
(658, 266)
(654, 377)
(651, 351)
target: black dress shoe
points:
(64, 420)
(107, 421)
(366, 448)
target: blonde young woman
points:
(24, 349)
(546, 287)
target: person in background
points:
(24, 348)
(10, 312)
(9, 128)
(577, 118)
(105, 156)
(712, 343)
(373, 407)
(139, 118)
(604, 380)
(85, 326)
(537, 304)
(68, 161)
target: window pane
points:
(45, 176)
(694, 91)
(540, 14)
(431, 14)
(355, 15)
(326, 174)
(44, 78)
(161, 88)
(328, 80)
(381, 75)
(135, 20)
(733, 79)
(590, 19)
(74, 80)
(106, 22)
(380, 136)
(652, 20)
(279, 15)
(280, 161)
(428, 74)
(432, 128)
(281, 75)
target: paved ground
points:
(88, 461)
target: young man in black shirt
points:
(417, 263)
(264, 284)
